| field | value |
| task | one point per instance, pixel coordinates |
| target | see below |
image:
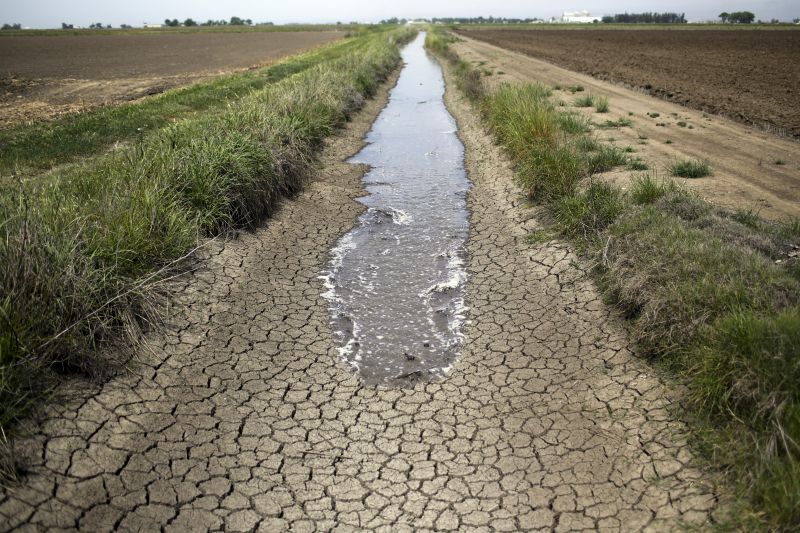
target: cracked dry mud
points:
(241, 416)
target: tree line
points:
(234, 21)
(645, 18)
(737, 17)
(483, 20)
(465, 20)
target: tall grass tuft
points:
(690, 168)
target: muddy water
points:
(395, 283)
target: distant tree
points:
(608, 19)
(65, 26)
(189, 23)
(742, 17)
(96, 26)
(796, 21)
(236, 21)
(249, 22)
(172, 23)
(724, 16)
(125, 26)
(12, 26)
(109, 26)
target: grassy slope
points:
(710, 294)
(30, 148)
(83, 254)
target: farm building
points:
(577, 17)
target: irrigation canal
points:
(395, 283)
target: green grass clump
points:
(576, 89)
(636, 164)
(619, 123)
(601, 104)
(690, 168)
(646, 189)
(540, 237)
(587, 212)
(780, 162)
(84, 253)
(585, 101)
(537, 136)
(468, 78)
(606, 158)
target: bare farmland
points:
(44, 76)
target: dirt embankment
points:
(45, 76)
(751, 76)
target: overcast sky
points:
(51, 13)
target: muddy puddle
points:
(395, 283)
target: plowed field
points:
(44, 76)
(751, 76)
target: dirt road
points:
(241, 416)
(751, 169)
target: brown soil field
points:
(752, 169)
(44, 76)
(750, 76)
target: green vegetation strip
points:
(712, 296)
(40, 146)
(85, 253)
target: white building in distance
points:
(578, 17)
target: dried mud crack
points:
(242, 417)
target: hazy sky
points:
(51, 13)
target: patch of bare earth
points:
(752, 169)
(42, 77)
(242, 416)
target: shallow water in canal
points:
(395, 283)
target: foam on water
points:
(395, 283)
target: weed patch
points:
(690, 169)
(619, 123)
